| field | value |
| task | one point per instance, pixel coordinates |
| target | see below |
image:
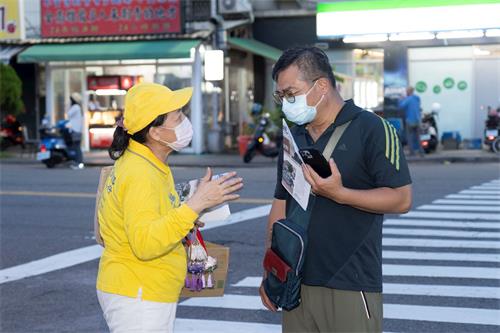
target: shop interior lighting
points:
(493, 33)
(460, 34)
(481, 52)
(347, 18)
(110, 92)
(412, 36)
(365, 38)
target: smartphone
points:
(317, 161)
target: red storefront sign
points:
(112, 82)
(70, 18)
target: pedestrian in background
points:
(411, 106)
(75, 122)
(142, 223)
(342, 275)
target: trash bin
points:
(215, 141)
(451, 140)
(243, 141)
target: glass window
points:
(59, 94)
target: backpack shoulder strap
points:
(334, 139)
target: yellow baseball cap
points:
(146, 101)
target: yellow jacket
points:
(142, 225)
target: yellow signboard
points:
(11, 19)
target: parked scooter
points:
(428, 130)
(261, 142)
(54, 145)
(11, 132)
(492, 132)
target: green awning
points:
(256, 47)
(164, 49)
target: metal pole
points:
(49, 94)
(196, 105)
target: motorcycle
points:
(492, 133)
(54, 146)
(11, 133)
(428, 130)
(261, 142)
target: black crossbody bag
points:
(284, 260)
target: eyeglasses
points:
(288, 95)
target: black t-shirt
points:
(344, 243)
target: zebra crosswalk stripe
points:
(217, 326)
(451, 215)
(461, 229)
(442, 224)
(466, 202)
(461, 208)
(446, 233)
(411, 289)
(460, 315)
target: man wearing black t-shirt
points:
(342, 278)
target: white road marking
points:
(480, 192)
(416, 270)
(411, 289)
(488, 187)
(228, 301)
(447, 256)
(441, 223)
(461, 208)
(453, 215)
(444, 314)
(85, 254)
(437, 232)
(222, 326)
(466, 202)
(49, 264)
(391, 311)
(441, 271)
(440, 243)
(441, 290)
(472, 196)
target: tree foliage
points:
(11, 89)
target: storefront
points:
(103, 72)
(448, 50)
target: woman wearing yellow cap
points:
(142, 223)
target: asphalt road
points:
(442, 270)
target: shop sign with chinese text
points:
(11, 19)
(72, 18)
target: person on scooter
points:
(141, 219)
(75, 118)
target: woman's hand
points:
(211, 193)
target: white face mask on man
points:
(299, 112)
(183, 133)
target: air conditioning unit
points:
(234, 6)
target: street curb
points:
(424, 160)
(492, 159)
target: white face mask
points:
(183, 133)
(299, 112)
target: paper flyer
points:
(219, 213)
(292, 176)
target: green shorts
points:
(333, 310)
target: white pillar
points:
(85, 98)
(49, 94)
(196, 105)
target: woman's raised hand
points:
(211, 193)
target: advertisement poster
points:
(11, 19)
(292, 177)
(64, 18)
(216, 214)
